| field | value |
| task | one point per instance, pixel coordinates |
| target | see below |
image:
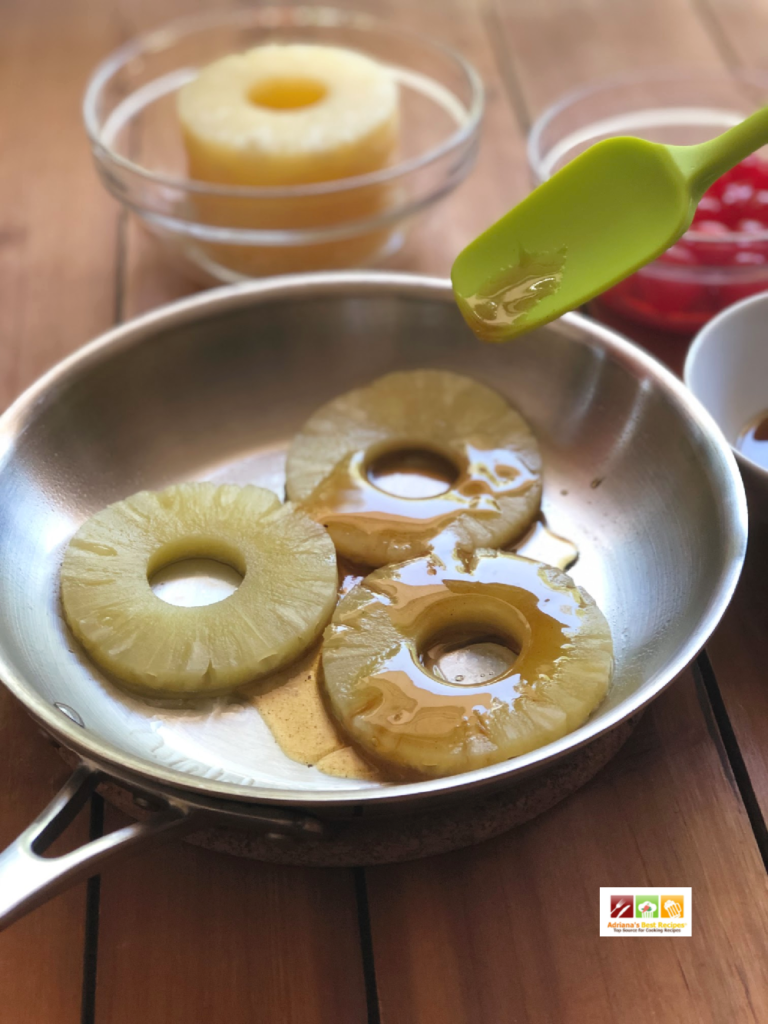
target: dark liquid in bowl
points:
(753, 440)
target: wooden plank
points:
(57, 227)
(509, 930)
(196, 936)
(552, 47)
(57, 244)
(41, 956)
(740, 29)
(149, 277)
(500, 176)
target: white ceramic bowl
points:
(727, 370)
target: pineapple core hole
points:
(193, 582)
(470, 658)
(412, 473)
(286, 93)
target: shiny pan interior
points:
(215, 386)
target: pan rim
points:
(144, 773)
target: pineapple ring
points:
(290, 114)
(406, 716)
(492, 502)
(288, 592)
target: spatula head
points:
(611, 210)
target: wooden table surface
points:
(504, 932)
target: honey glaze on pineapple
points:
(530, 622)
(350, 574)
(460, 656)
(399, 481)
(412, 473)
(503, 301)
(753, 440)
(292, 706)
(543, 545)
(355, 494)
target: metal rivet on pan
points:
(148, 802)
(70, 713)
(47, 736)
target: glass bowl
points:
(694, 280)
(228, 233)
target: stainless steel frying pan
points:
(213, 387)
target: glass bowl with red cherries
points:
(723, 257)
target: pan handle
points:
(28, 879)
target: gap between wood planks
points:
(92, 906)
(706, 680)
(366, 947)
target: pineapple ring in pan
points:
(379, 662)
(495, 458)
(287, 595)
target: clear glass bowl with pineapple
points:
(227, 223)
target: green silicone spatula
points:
(614, 208)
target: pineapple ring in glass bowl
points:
(287, 595)
(490, 493)
(289, 114)
(437, 669)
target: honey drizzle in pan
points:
(296, 713)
